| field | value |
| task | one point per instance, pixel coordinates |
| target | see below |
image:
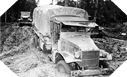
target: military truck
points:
(63, 33)
(25, 18)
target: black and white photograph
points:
(63, 38)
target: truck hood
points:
(82, 40)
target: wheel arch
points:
(58, 57)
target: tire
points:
(103, 63)
(39, 44)
(63, 67)
(36, 42)
(21, 25)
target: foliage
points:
(113, 46)
(105, 12)
(14, 35)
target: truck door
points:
(55, 34)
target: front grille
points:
(90, 59)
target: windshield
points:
(66, 28)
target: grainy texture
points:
(20, 55)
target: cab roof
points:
(74, 21)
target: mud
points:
(20, 55)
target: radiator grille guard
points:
(90, 59)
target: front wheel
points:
(63, 67)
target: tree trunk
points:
(66, 2)
(96, 9)
(5, 16)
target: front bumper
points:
(27, 22)
(94, 72)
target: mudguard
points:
(67, 57)
(106, 54)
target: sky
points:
(45, 2)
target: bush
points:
(113, 46)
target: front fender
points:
(106, 54)
(69, 57)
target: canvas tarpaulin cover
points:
(42, 15)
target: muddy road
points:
(20, 55)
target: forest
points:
(105, 11)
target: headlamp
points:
(77, 54)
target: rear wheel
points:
(40, 44)
(63, 67)
(36, 42)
